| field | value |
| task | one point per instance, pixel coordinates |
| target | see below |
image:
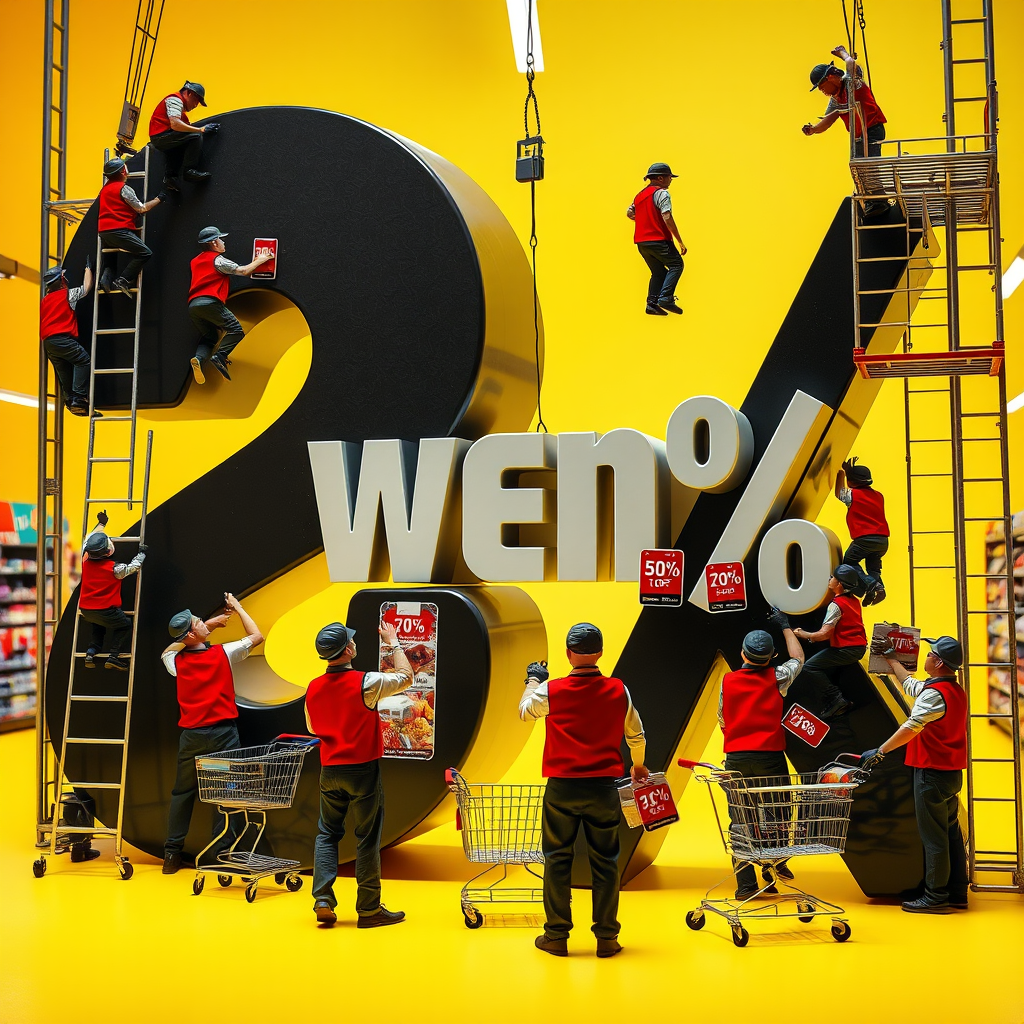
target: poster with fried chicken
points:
(407, 718)
(900, 642)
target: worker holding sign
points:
(750, 711)
(586, 716)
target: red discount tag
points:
(656, 806)
(661, 577)
(268, 247)
(412, 621)
(811, 729)
(727, 591)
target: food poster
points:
(407, 718)
(905, 640)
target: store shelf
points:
(18, 722)
(998, 623)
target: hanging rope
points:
(858, 7)
(531, 96)
(846, 21)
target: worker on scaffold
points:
(586, 714)
(654, 227)
(869, 530)
(172, 134)
(58, 331)
(207, 295)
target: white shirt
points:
(929, 704)
(376, 686)
(236, 651)
(662, 200)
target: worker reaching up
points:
(869, 530)
(58, 331)
(172, 134)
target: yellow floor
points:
(79, 941)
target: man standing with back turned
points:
(653, 230)
(586, 716)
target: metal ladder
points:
(965, 474)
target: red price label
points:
(811, 729)
(265, 247)
(661, 577)
(655, 805)
(727, 590)
(418, 624)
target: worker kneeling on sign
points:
(586, 715)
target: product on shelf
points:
(999, 624)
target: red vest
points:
(648, 223)
(56, 315)
(207, 279)
(100, 588)
(206, 687)
(872, 112)
(752, 709)
(866, 515)
(943, 743)
(115, 213)
(849, 631)
(585, 722)
(160, 122)
(349, 731)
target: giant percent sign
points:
(421, 319)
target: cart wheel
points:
(473, 918)
(841, 931)
(224, 880)
(740, 936)
(39, 867)
(126, 869)
(280, 877)
(197, 884)
(293, 883)
(695, 919)
(250, 892)
(806, 912)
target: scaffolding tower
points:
(961, 478)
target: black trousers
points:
(875, 134)
(210, 317)
(103, 619)
(819, 670)
(753, 764)
(181, 150)
(354, 789)
(945, 859)
(868, 549)
(666, 268)
(71, 365)
(126, 241)
(569, 805)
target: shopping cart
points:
(768, 820)
(249, 781)
(501, 825)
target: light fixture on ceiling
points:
(518, 17)
(19, 398)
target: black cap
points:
(97, 544)
(211, 234)
(947, 649)
(819, 72)
(332, 640)
(584, 638)
(655, 170)
(197, 89)
(758, 647)
(859, 475)
(112, 167)
(848, 576)
(180, 625)
(53, 275)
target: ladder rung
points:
(104, 458)
(995, 853)
(99, 830)
(991, 760)
(993, 799)
(96, 740)
(916, 475)
(112, 419)
(127, 540)
(930, 533)
(980, 519)
(975, 415)
(989, 611)
(116, 330)
(982, 479)
(968, 60)
(916, 567)
(931, 440)
(968, 21)
(112, 501)
(969, 99)
(118, 369)
(992, 715)
(985, 575)
(989, 664)
(81, 654)
(82, 696)
(94, 785)
(928, 391)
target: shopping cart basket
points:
(772, 819)
(249, 781)
(501, 825)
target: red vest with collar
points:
(349, 731)
(849, 631)
(585, 723)
(100, 587)
(56, 315)
(866, 515)
(160, 122)
(115, 213)
(648, 223)
(206, 278)
(206, 687)
(942, 744)
(752, 709)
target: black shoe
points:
(96, 414)
(78, 410)
(106, 281)
(171, 183)
(172, 862)
(90, 659)
(116, 662)
(123, 286)
(221, 367)
(194, 175)
(197, 370)
(876, 207)
(671, 307)
(382, 917)
(556, 947)
(607, 947)
(878, 594)
(958, 902)
(780, 870)
(653, 311)
(837, 708)
(83, 851)
(324, 913)
(924, 905)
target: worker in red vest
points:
(653, 230)
(586, 714)
(750, 711)
(173, 135)
(58, 331)
(935, 735)
(207, 295)
(120, 209)
(341, 709)
(869, 531)
(99, 596)
(843, 627)
(827, 78)
(206, 699)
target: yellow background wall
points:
(719, 89)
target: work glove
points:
(871, 758)
(163, 196)
(777, 617)
(88, 263)
(883, 646)
(143, 548)
(101, 518)
(849, 464)
(211, 129)
(537, 672)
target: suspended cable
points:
(849, 37)
(139, 64)
(858, 8)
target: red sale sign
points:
(801, 722)
(656, 806)
(268, 247)
(661, 577)
(727, 590)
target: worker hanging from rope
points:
(172, 134)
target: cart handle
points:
(296, 739)
(684, 763)
(857, 758)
